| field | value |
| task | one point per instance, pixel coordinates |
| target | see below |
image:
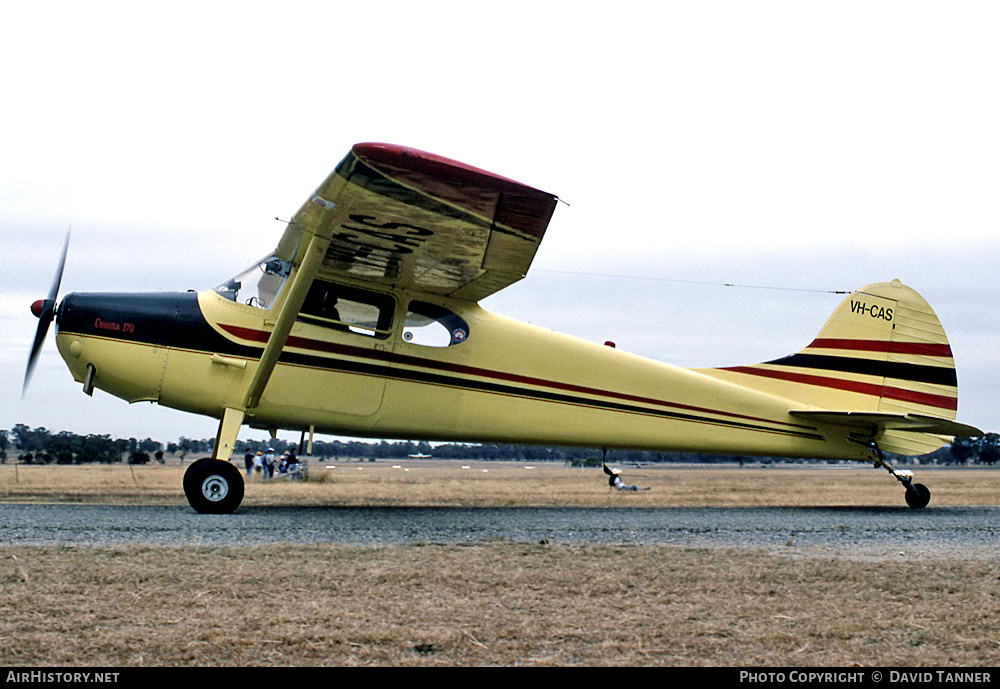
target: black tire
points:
(917, 496)
(213, 486)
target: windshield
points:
(259, 284)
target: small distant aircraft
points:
(365, 321)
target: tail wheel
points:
(213, 486)
(917, 496)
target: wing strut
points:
(229, 430)
(286, 318)
(232, 417)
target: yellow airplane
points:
(365, 321)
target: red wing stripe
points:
(928, 399)
(924, 348)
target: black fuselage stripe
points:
(469, 384)
(428, 378)
(917, 373)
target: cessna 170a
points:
(365, 321)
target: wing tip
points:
(396, 157)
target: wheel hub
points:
(215, 488)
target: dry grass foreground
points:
(508, 484)
(498, 604)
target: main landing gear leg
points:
(917, 494)
(213, 485)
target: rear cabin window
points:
(431, 325)
(348, 309)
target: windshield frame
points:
(259, 285)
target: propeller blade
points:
(45, 309)
(44, 320)
(54, 290)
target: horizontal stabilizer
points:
(874, 423)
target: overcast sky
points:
(801, 146)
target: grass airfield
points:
(497, 603)
(422, 482)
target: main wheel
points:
(213, 486)
(917, 496)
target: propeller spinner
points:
(45, 311)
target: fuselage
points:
(418, 366)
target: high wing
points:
(400, 217)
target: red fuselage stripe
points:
(262, 336)
(924, 348)
(875, 390)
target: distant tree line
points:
(985, 450)
(40, 446)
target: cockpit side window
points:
(431, 325)
(348, 309)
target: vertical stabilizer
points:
(882, 350)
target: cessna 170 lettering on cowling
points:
(365, 321)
